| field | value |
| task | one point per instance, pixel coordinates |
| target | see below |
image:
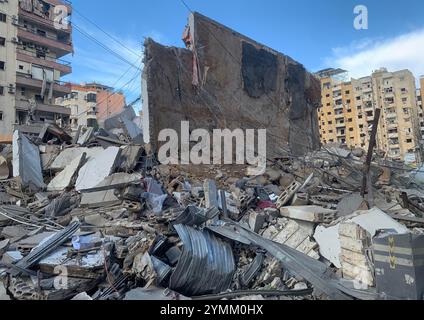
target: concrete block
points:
(256, 221)
(309, 213)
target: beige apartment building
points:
(348, 109)
(31, 48)
(91, 103)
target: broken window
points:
(259, 71)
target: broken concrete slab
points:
(98, 199)
(211, 194)
(256, 221)
(309, 213)
(115, 181)
(349, 204)
(3, 293)
(370, 220)
(97, 169)
(63, 180)
(83, 139)
(4, 169)
(70, 154)
(27, 162)
(294, 236)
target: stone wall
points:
(226, 80)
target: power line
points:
(90, 37)
(105, 32)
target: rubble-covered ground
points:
(95, 217)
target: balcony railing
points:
(59, 88)
(59, 47)
(60, 65)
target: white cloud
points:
(361, 58)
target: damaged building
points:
(224, 80)
(334, 224)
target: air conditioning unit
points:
(11, 89)
(15, 21)
(14, 40)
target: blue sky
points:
(317, 33)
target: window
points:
(2, 41)
(329, 113)
(2, 91)
(348, 101)
(328, 104)
(350, 120)
(330, 122)
(408, 140)
(358, 98)
(41, 54)
(328, 95)
(351, 129)
(2, 17)
(21, 67)
(41, 32)
(404, 99)
(2, 65)
(1, 116)
(347, 92)
(91, 97)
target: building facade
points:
(35, 39)
(348, 110)
(91, 103)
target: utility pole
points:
(372, 144)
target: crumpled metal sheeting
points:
(294, 261)
(206, 265)
(194, 216)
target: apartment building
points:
(420, 112)
(91, 103)
(348, 109)
(32, 43)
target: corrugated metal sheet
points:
(206, 265)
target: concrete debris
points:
(125, 227)
(64, 179)
(309, 213)
(27, 162)
(97, 169)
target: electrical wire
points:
(103, 31)
(105, 47)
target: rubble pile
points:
(95, 217)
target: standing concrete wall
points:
(226, 80)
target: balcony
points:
(338, 107)
(24, 106)
(339, 116)
(64, 67)
(391, 115)
(393, 135)
(392, 125)
(340, 125)
(47, 23)
(59, 89)
(370, 118)
(60, 48)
